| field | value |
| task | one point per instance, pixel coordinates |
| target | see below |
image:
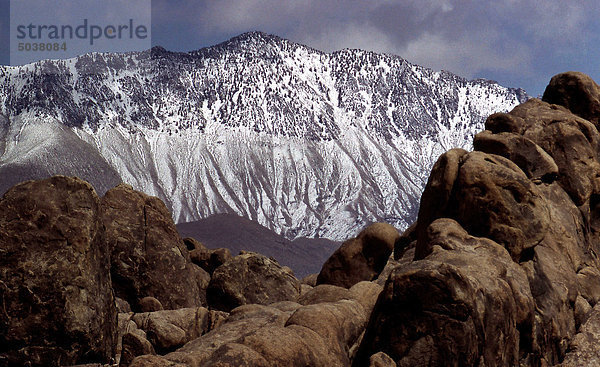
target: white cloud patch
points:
(466, 56)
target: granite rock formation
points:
(251, 278)
(56, 301)
(149, 258)
(500, 269)
(505, 270)
(360, 258)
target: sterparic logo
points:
(83, 31)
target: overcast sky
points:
(518, 43)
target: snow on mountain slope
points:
(306, 143)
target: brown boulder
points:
(495, 199)
(149, 259)
(251, 278)
(206, 258)
(583, 348)
(57, 304)
(577, 92)
(133, 345)
(467, 303)
(170, 329)
(324, 293)
(572, 142)
(122, 305)
(490, 197)
(360, 258)
(381, 359)
(436, 198)
(533, 160)
(310, 280)
(150, 304)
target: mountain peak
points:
(353, 132)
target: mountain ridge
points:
(307, 143)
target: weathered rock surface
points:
(448, 310)
(282, 334)
(206, 258)
(56, 302)
(133, 345)
(170, 329)
(381, 359)
(251, 278)
(577, 92)
(360, 258)
(149, 259)
(583, 348)
(505, 268)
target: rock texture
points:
(56, 302)
(169, 329)
(251, 278)
(282, 334)
(149, 259)
(360, 258)
(583, 348)
(505, 270)
(353, 133)
(206, 258)
(500, 269)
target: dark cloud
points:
(520, 43)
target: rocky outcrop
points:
(282, 334)
(446, 310)
(251, 278)
(149, 259)
(583, 348)
(500, 269)
(170, 329)
(577, 92)
(360, 258)
(56, 302)
(505, 270)
(206, 258)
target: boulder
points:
(572, 142)
(251, 278)
(324, 293)
(495, 199)
(57, 302)
(149, 259)
(530, 157)
(466, 303)
(583, 348)
(122, 305)
(310, 280)
(170, 329)
(206, 258)
(150, 304)
(436, 197)
(360, 258)
(577, 92)
(282, 334)
(134, 345)
(381, 359)
(490, 196)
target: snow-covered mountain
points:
(306, 143)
